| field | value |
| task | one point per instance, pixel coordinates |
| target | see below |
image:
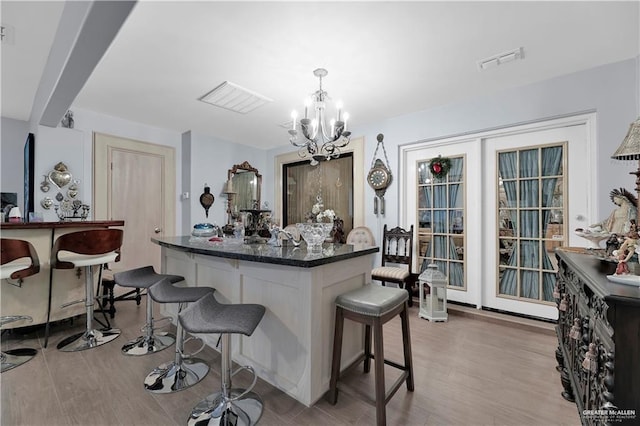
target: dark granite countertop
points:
(263, 253)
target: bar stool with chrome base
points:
(185, 370)
(373, 306)
(87, 249)
(228, 406)
(152, 340)
(19, 260)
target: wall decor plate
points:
(60, 176)
(46, 203)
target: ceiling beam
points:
(84, 34)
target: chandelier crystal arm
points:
(317, 139)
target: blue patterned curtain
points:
(442, 223)
(530, 225)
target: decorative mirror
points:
(246, 181)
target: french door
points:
(493, 225)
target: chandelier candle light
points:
(319, 140)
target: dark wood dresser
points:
(599, 340)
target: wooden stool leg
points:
(367, 348)
(381, 408)
(406, 343)
(337, 353)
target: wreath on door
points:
(440, 166)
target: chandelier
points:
(317, 139)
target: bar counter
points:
(291, 348)
(64, 285)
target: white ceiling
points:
(384, 59)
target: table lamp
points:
(630, 150)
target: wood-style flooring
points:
(468, 371)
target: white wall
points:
(211, 158)
(88, 122)
(611, 91)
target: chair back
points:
(361, 235)
(11, 249)
(397, 246)
(91, 242)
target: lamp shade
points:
(630, 148)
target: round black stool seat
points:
(229, 405)
(152, 341)
(185, 370)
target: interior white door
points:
(575, 199)
(135, 182)
(481, 227)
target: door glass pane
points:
(530, 215)
(441, 217)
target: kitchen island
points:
(291, 348)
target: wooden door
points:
(134, 181)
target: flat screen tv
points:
(29, 174)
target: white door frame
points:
(476, 181)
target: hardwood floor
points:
(468, 371)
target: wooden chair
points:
(18, 249)
(361, 235)
(19, 260)
(87, 249)
(397, 249)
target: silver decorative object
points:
(44, 185)
(60, 176)
(46, 203)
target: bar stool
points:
(228, 406)
(87, 249)
(185, 370)
(152, 341)
(11, 251)
(373, 306)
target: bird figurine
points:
(206, 199)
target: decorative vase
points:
(314, 234)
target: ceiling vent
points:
(500, 59)
(234, 98)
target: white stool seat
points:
(7, 269)
(80, 260)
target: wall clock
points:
(379, 177)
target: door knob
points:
(157, 230)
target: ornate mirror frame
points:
(245, 167)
